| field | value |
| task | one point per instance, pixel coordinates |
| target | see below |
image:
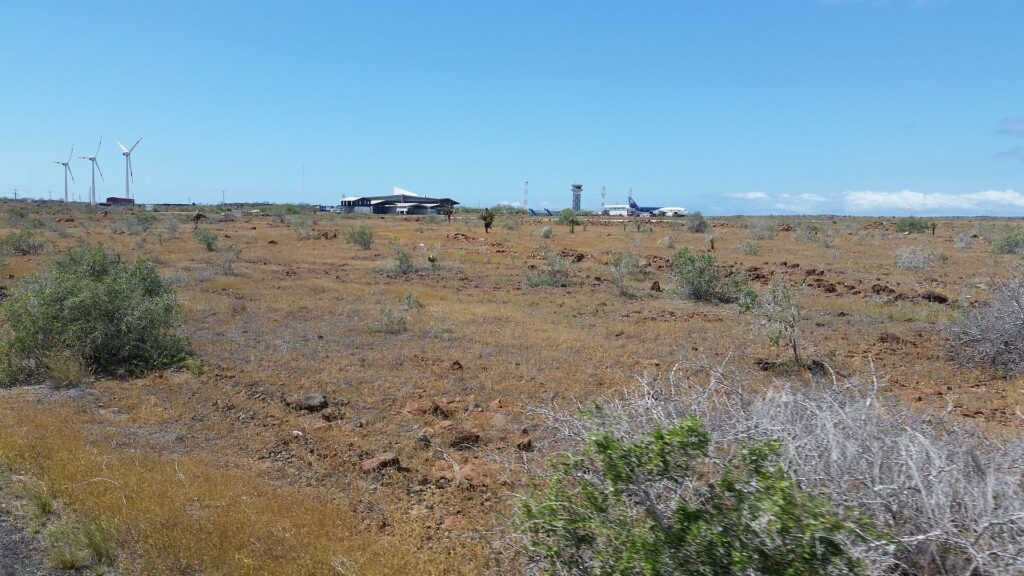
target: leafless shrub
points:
(963, 240)
(947, 499)
(992, 334)
(914, 258)
(763, 229)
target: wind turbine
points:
(67, 170)
(127, 153)
(95, 167)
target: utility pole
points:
(15, 193)
(222, 197)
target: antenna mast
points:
(602, 199)
(526, 194)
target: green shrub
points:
(699, 277)
(22, 243)
(1009, 241)
(117, 318)
(361, 236)
(402, 263)
(390, 321)
(695, 222)
(912, 224)
(664, 504)
(569, 218)
(206, 237)
(818, 233)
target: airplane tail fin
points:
(633, 204)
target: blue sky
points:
(787, 106)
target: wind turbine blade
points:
(98, 168)
(121, 145)
(134, 145)
(98, 147)
(68, 167)
(72, 152)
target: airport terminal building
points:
(405, 203)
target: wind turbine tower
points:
(67, 170)
(95, 167)
(127, 153)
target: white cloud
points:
(800, 203)
(874, 202)
(750, 196)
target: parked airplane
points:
(546, 212)
(655, 210)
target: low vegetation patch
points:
(699, 277)
(1008, 241)
(90, 307)
(206, 237)
(992, 335)
(915, 258)
(360, 235)
(695, 222)
(402, 263)
(555, 271)
(624, 265)
(763, 229)
(912, 225)
(22, 243)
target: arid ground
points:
(436, 372)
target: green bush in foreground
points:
(90, 306)
(660, 504)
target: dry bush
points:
(914, 258)
(763, 228)
(947, 499)
(992, 334)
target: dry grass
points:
(296, 317)
(188, 515)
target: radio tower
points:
(602, 199)
(526, 193)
